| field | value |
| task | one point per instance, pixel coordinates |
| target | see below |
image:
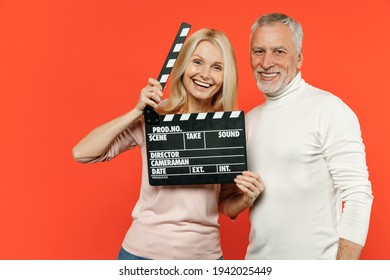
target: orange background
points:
(69, 66)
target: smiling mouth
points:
(268, 75)
(201, 84)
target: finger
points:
(155, 90)
(259, 181)
(145, 99)
(252, 174)
(151, 92)
(155, 95)
(155, 83)
(247, 196)
(245, 190)
(251, 186)
(247, 180)
(247, 185)
(151, 103)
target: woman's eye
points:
(197, 62)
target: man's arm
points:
(348, 250)
(344, 151)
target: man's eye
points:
(257, 52)
(279, 52)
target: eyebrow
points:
(272, 48)
(280, 48)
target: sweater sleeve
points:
(344, 152)
(128, 139)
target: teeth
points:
(199, 83)
(269, 75)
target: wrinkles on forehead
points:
(272, 37)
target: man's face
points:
(274, 58)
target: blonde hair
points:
(226, 98)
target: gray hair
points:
(294, 26)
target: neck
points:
(286, 90)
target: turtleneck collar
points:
(290, 89)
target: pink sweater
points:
(169, 222)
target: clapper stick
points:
(151, 116)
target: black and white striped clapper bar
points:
(198, 148)
(150, 115)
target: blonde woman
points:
(176, 222)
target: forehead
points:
(209, 51)
(271, 35)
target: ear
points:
(300, 60)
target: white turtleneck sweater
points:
(306, 144)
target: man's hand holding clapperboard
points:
(187, 149)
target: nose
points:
(266, 61)
(205, 73)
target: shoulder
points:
(319, 95)
(331, 110)
(253, 112)
(323, 100)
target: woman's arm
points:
(250, 187)
(99, 139)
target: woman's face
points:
(203, 76)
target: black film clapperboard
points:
(198, 148)
(202, 148)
